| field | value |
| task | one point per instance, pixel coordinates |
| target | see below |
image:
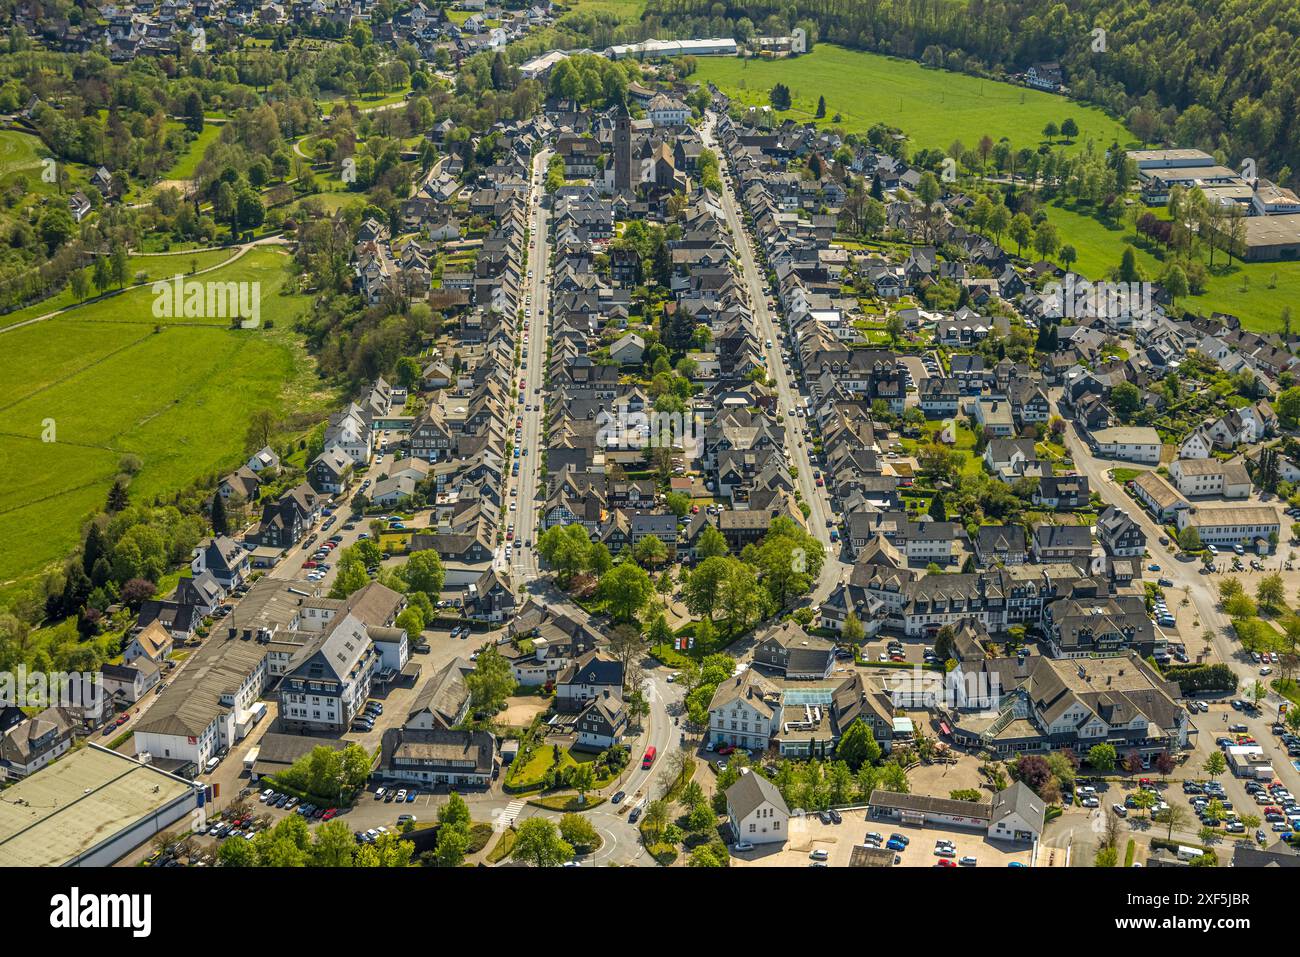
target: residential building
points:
(1129, 443)
(456, 759)
(30, 746)
(1210, 476)
(787, 649)
(443, 701)
(1062, 543)
(223, 557)
(602, 722)
(1039, 703)
(588, 677)
(756, 811)
(1120, 535)
(329, 680)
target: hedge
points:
(1203, 677)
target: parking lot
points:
(809, 834)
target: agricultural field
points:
(1254, 292)
(933, 107)
(108, 379)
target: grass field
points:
(21, 158)
(933, 107)
(1268, 286)
(154, 267)
(363, 101)
(188, 161)
(20, 154)
(625, 10)
(109, 384)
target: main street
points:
(533, 340)
(788, 392)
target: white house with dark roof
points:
(130, 681)
(330, 680)
(756, 811)
(30, 746)
(745, 711)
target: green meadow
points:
(188, 161)
(142, 268)
(933, 107)
(108, 379)
(1254, 292)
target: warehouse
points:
(91, 808)
(651, 49)
(1271, 238)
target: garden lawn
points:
(933, 107)
(106, 384)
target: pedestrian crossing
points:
(509, 815)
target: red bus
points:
(649, 758)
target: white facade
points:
(742, 725)
(1128, 444)
(1231, 525)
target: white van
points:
(211, 765)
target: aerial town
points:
(616, 433)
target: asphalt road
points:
(789, 394)
(522, 489)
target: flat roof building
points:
(90, 809)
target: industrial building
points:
(90, 809)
